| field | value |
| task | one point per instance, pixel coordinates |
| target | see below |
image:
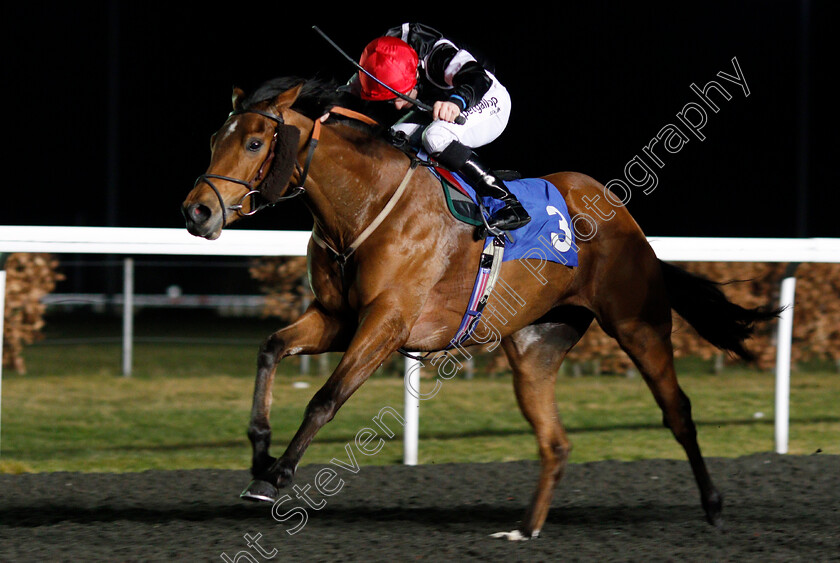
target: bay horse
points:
(393, 273)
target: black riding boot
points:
(461, 159)
(486, 184)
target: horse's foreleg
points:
(314, 332)
(381, 331)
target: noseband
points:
(251, 187)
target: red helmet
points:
(392, 61)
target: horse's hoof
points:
(714, 509)
(715, 519)
(515, 535)
(260, 491)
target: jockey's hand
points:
(446, 111)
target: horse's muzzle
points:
(200, 221)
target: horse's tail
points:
(717, 319)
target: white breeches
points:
(484, 122)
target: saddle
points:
(548, 236)
(459, 202)
(542, 239)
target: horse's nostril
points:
(197, 213)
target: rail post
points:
(2, 318)
(411, 411)
(784, 337)
(128, 317)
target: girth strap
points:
(485, 280)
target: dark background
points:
(112, 104)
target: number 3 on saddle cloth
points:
(547, 237)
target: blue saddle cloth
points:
(549, 235)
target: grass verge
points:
(187, 406)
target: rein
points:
(314, 137)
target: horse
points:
(391, 271)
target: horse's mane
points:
(316, 96)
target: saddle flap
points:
(458, 200)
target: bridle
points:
(314, 136)
(251, 187)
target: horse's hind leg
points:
(313, 333)
(644, 332)
(535, 354)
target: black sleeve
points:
(470, 83)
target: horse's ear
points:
(237, 97)
(287, 98)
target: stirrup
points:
(509, 218)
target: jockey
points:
(418, 61)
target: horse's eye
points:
(254, 145)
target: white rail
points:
(145, 241)
(134, 241)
